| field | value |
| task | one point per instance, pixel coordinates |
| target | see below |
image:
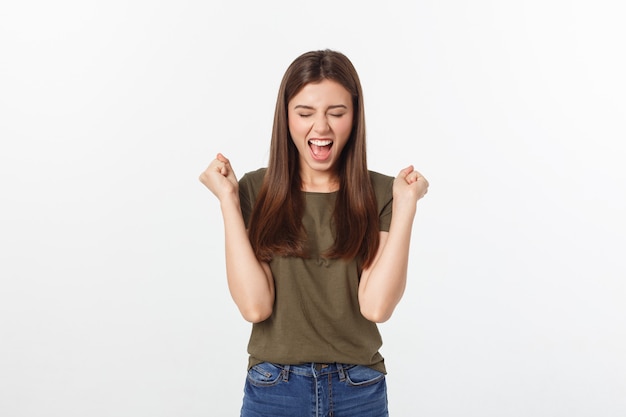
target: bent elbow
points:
(256, 315)
(376, 315)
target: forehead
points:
(323, 92)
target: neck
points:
(320, 183)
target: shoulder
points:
(253, 180)
(381, 182)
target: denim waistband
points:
(314, 369)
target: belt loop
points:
(342, 373)
(286, 373)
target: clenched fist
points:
(220, 178)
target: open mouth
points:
(320, 148)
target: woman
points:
(314, 257)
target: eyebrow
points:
(336, 106)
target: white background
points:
(113, 299)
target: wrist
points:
(406, 208)
(229, 200)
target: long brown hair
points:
(276, 221)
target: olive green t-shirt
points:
(316, 315)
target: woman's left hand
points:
(409, 186)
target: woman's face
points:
(320, 122)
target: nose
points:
(320, 124)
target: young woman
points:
(314, 256)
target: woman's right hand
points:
(220, 178)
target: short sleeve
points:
(383, 189)
(249, 186)
(385, 217)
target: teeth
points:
(318, 142)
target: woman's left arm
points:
(383, 282)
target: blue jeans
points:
(314, 390)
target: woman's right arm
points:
(250, 281)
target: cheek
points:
(297, 128)
(344, 127)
